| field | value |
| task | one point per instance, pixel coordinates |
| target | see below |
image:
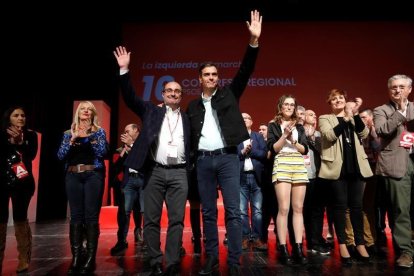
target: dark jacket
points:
(226, 103)
(28, 151)
(275, 132)
(152, 117)
(257, 155)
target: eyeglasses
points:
(247, 118)
(289, 104)
(398, 87)
(170, 90)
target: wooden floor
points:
(51, 256)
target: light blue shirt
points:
(211, 138)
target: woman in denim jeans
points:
(83, 149)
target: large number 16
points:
(148, 84)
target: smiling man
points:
(161, 152)
(217, 127)
(392, 121)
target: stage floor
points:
(51, 256)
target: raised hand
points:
(123, 57)
(358, 103)
(16, 135)
(309, 131)
(255, 26)
(73, 132)
(349, 107)
(126, 139)
(402, 103)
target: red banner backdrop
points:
(305, 59)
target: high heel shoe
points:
(297, 254)
(364, 259)
(284, 255)
(346, 261)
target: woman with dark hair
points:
(287, 141)
(345, 165)
(18, 147)
(83, 149)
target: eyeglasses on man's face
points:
(396, 88)
(170, 90)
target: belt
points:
(248, 172)
(134, 174)
(226, 150)
(175, 166)
(81, 168)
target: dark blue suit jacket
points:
(257, 155)
(152, 117)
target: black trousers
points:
(171, 186)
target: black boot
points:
(3, 235)
(297, 254)
(76, 239)
(92, 235)
(284, 255)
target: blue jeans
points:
(84, 191)
(131, 192)
(223, 170)
(251, 192)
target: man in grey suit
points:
(394, 124)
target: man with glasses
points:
(394, 124)
(161, 153)
(217, 127)
(252, 154)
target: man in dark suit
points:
(131, 197)
(393, 123)
(161, 153)
(217, 127)
(252, 153)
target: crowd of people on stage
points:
(352, 164)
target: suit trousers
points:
(170, 185)
(399, 202)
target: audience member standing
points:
(345, 165)
(269, 206)
(316, 191)
(83, 149)
(18, 147)
(287, 140)
(394, 125)
(252, 153)
(132, 194)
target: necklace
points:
(347, 133)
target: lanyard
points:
(175, 127)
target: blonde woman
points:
(83, 149)
(287, 139)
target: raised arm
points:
(255, 27)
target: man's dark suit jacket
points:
(257, 155)
(152, 117)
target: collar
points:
(170, 110)
(395, 105)
(207, 99)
